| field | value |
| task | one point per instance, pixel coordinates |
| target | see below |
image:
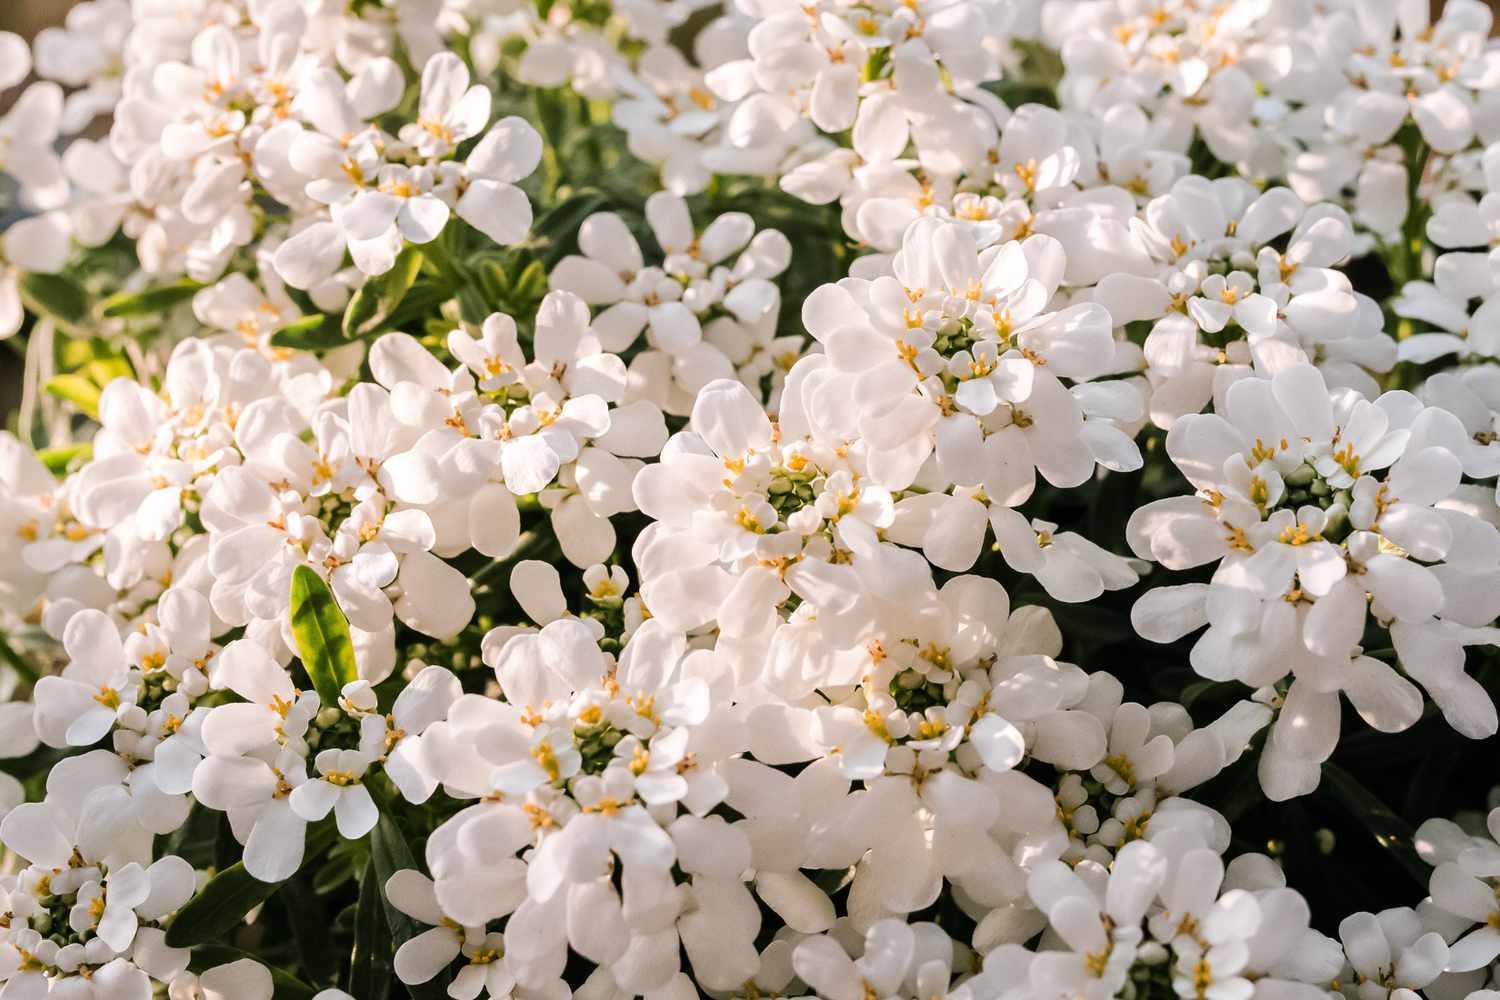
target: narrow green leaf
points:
(421, 301)
(532, 283)
(76, 352)
(284, 985)
(77, 390)
(322, 634)
(310, 333)
(492, 281)
(1391, 832)
(56, 296)
(304, 913)
(371, 966)
(220, 906)
(471, 305)
(377, 298)
(149, 301)
(58, 460)
(388, 855)
(560, 224)
(103, 371)
(225, 847)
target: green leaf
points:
(388, 855)
(103, 371)
(149, 301)
(493, 281)
(559, 225)
(377, 298)
(422, 301)
(221, 905)
(310, 333)
(57, 297)
(532, 283)
(304, 913)
(58, 460)
(471, 305)
(76, 352)
(371, 966)
(1391, 832)
(76, 389)
(284, 985)
(322, 634)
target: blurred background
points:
(27, 17)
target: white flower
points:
(1391, 951)
(669, 302)
(338, 788)
(1312, 536)
(449, 110)
(1464, 888)
(80, 707)
(27, 133)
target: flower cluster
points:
(874, 501)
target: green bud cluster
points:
(596, 745)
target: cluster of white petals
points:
(652, 498)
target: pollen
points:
(1122, 765)
(748, 521)
(1203, 977)
(436, 129)
(1299, 535)
(547, 760)
(1260, 493)
(644, 705)
(1263, 452)
(1347, 460)
(938, 656)
(1027, 172)
(929, 729)
(639, 761)
(606, 806)
(539, 818)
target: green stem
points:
(1413, 228)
